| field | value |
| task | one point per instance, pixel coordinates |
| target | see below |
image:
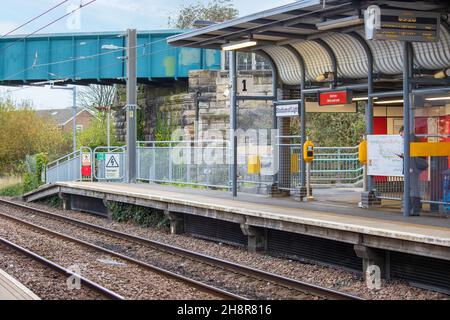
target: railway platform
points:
(11, 289)
(330, 231)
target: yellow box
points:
(294, 163)
(254, 164)
(362, 152)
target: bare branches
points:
(96, 96)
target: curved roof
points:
(351, 58)
(286, 32)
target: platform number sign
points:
(112, 166)
(245, 85)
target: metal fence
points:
(331, 165)
(289, 153)
(203, 163)
(207, 163)
(336, 165)
(431, 186)
(67, 168)
(109, 163)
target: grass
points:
(11, 186)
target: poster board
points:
(383, 155)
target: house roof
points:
(60, 116)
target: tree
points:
(95, 96)
(336, 129)
(214, 10)
(23, 133)
(95, 135)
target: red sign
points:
(334, 98)
(86, 171)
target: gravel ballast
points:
(123, 277)
(46, 283)
(330, 277)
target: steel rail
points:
(193, 283)
(91, 284)
(298, 285)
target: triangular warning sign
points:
(112, 163)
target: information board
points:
(401, 25)
(384, 155)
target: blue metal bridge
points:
(98, 58)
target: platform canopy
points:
(328, 35)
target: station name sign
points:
(401, 25)
(287, 110)
(332, 98)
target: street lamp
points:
(74, 109)
(131, 105)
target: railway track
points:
(257, 284)
(109, 294)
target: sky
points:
(101, 15)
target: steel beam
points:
(301, 112)
(407, 67)
(369, 106)
(233, 121)
(274, 113)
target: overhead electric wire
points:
(35, 18)
(49, 24)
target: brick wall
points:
(84, 118)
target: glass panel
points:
(429, 162)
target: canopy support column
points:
(233, 121)
(369, 196)
(407, 74)
(273, 189)
(302, 113)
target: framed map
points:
(384, 155)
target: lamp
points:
(438, 98)
(389, 101)
(442, 74)
(326, 76)
(340, 23)
(239, 45)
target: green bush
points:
(35, 165)
(12, 190)
(95, 135)
(142, 216)
(53, 201)
(30, 182)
